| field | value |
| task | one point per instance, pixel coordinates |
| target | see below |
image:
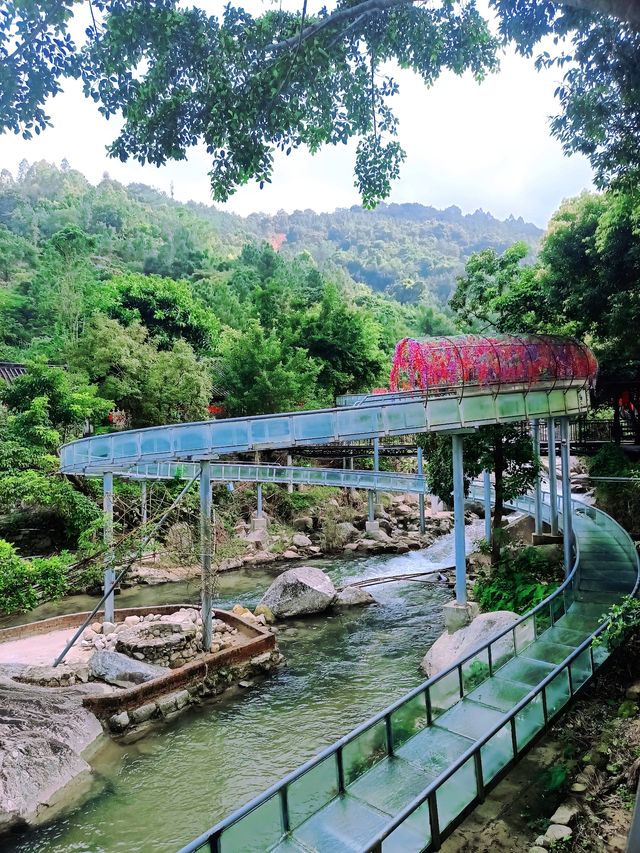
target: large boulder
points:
(353, 596)
(346, 532)
(450, 647)
(120, 670)
(299, 592)
(43, 734)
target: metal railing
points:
(287, 804)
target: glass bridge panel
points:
(257, 831)
(314, 427)
(529, 721)
(124, 446)
(268, 430)
(475, 670)
(100, 448)
(155, 441)
(229, 434)
(364, 751)
(525, 634)
(445, 692)
(412, 836)
(404, 418)
(581, 670)
(502, 650)
(77, 453)
(456, 793)
(313, 790)
(497, 753)
(196, 437)
(408, 719)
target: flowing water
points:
(156, 795)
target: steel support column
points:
(553, 479)
(372, 505)
(109, 567)
(486, 483)
(567, 525)
(144, 509)
(535, 437)
(259, 508)
(421, 518)
(289, 464)
(205, 555)
(458, 520)
(376, 460)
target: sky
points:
(472, 145)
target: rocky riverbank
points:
(332, 530)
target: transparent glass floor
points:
(345, 823)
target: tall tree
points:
(246, 86)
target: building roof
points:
(9, 370)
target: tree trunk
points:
(498, 471)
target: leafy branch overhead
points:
(247, 86)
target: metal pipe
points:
(567, 524)
(376, 461)
(458, 520)
(259, 510)
(421, 516)
(372, 505)
(205, 555)
(109, 570)
(535, 436)
(486, 482)
(553, 480)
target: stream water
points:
(156, 795)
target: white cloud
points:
(474, 145)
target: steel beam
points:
(458, 519)
(206, 555)
(486, 496)
(109, 567)
(553, 479)
(421, 517)
(567, 523)
(535, 438)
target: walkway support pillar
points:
(567, 521)
(376, 461)
(458, 520)
(289, 464)
(421, 518)
(259, 508)
(535, 436)
(372, 505)
(144, 510)
(206, 555)
(109, 567)
(553, 480)
(486, 483)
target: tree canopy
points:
(246, 86)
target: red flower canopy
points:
(439, 363)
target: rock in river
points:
(450, 647)
(299, 592)
(43, 734)
(353, 596)
(120, 670)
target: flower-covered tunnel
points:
(440, 365)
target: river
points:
(157, 794)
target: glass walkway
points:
(403, 780)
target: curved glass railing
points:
(404, 779)
(207, 440)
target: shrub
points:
(23, 583)
(522, 579)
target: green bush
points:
(624, 622)
(23, 583)
(620, 500)
(522, 579)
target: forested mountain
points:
(408, 251)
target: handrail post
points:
(458, 519)
(109, 568)
(421, 518)
(553, 480)
(567, 526)
(205, 555)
